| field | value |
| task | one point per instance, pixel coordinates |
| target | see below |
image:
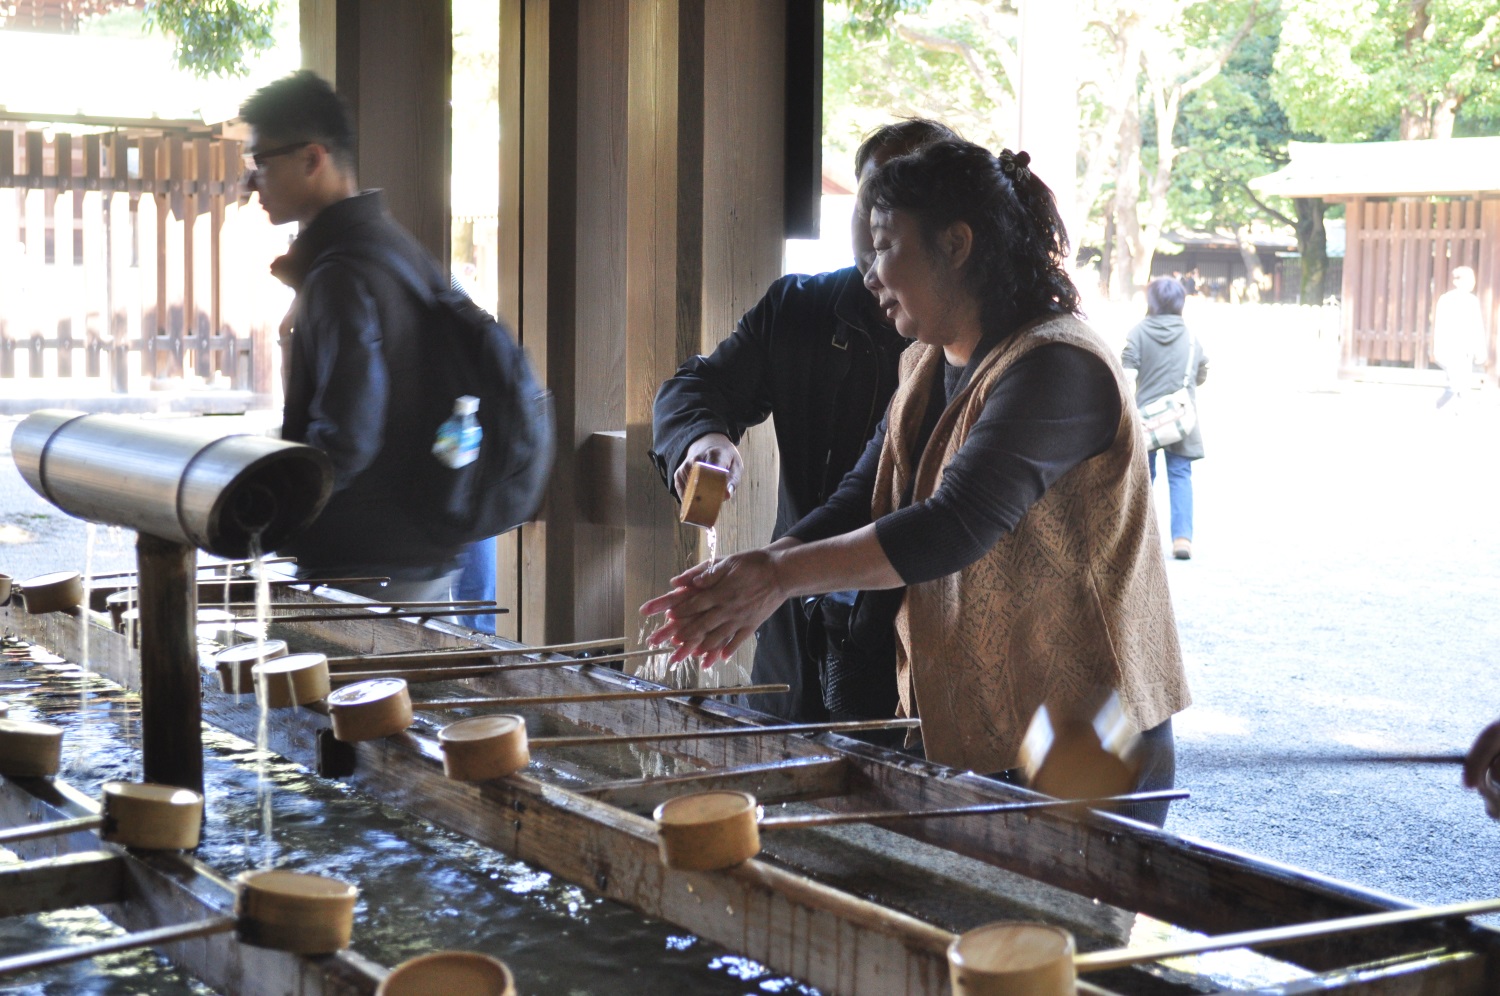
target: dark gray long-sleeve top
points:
(1053, 409)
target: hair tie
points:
(1013, 165)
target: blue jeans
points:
(1180, 488)
(477, 581)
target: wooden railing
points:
(118, 259)
(1400, 259)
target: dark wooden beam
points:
(171, 707)
(804, 118)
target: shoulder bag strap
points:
(1187, 374)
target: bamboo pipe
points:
(520, 701)
(882, 816)
(735, 731)
(55, 828)
(126, 942)
(1100, 961)
(478, 653)
(449, 673)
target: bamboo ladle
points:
(138, 815)
(475, 670)
(522, 701)
(382, 707)
(480, 653)
(275, 909)
(710, 831)
(1100, 961)
(483, 747)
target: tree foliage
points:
(215, 37)
(1367, 70)
(944, 60)
(1229, 133)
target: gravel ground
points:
(1343, 600)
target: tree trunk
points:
(1415, 124)
(1255, 274)
(1128, 245)
(1312, 243)
(1129, 45)
(1444, 115)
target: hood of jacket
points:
(1164, 329)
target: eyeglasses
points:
(257, 160)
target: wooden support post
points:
(664, 267)
(171, 697)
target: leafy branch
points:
(214, 37)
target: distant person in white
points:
(1458, 334)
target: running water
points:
(263, 787)
(711, 542)
(83, 629)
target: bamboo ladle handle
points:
(884, 816)
(1100, 961)
(518, 701)
(430, 673)
(733, 731)
(126, 942)
(52, 829)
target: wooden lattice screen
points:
(1399, 259)
(116, 244)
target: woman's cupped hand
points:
(713, 608)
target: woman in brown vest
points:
(1006, 489)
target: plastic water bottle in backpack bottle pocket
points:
(458, 438)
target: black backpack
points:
(467, 351)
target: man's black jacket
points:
(352, 387)
(814, 354)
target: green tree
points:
(215, 37)
(1169, 50)
(953, 60)
(1136, 60)
(1229, 133)
(1365, 70)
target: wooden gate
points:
(113, 252)
(1400, 258)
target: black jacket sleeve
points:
(727, 391)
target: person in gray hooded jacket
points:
(1161, 355)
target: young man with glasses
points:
(355, 343)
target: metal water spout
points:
(182, 487)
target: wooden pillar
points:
(597, 263)
(1353, 282)
(171, 689)
(743, 234)
(392, 61)
(663, 268)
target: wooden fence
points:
(1399, 259)
(120, 257)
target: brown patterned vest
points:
(1070, 605)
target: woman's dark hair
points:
(1016, 264)
(302, 107)
(1164, 296)
(900, 137)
